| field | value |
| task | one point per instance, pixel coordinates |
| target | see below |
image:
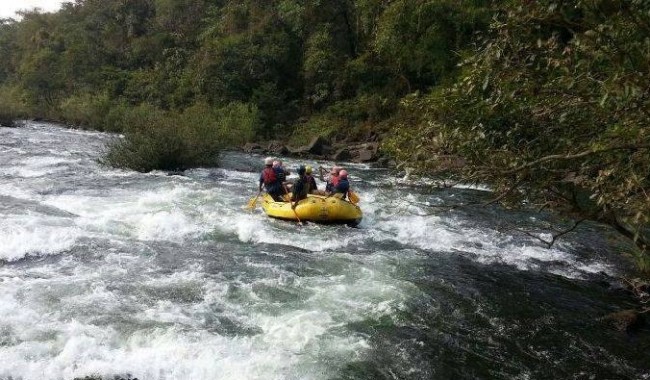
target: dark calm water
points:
(114, 273)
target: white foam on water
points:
(150, 215)
(37, 167)
(404, 221)
(13, 190)
(164, 225)
(35, 235)
(488, 246)
(171, 354)
(291, 343)
(473, 187)
(259, 229)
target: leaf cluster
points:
(551, 109)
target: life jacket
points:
(300, 189)
(268, 176)
(332, 182)
(343, 187)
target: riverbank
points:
(324, 149)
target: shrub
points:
(165, 140)
(87, 110)
(155, 145)
(12, 106)
(322, 125)
(231, 125)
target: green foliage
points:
(163, 140)
(12, 105)
(322, 66)
(231, 125)
(88, 110)
(178, 76)
(293, 60)
(417, 37)
(553, 105)
(156, 145)
(7, 48)
(324, 125)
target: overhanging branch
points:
(555, 157)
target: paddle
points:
(253, 202)
(293, 206)
(353, 197)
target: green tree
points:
(552, 110)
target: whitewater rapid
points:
(109, 272)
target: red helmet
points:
(343, 173)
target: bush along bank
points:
(162, 140)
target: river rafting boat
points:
(315, 208)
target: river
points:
(107, 273)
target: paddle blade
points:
(296, 214)
(354, 198)
(252, 203)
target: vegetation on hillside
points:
(301, 67)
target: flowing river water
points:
(107, 273)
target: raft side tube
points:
(315, 208)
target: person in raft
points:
(270, 180)
(282, 176)
(300, 187)
(342, 185)
(332, 179)
(313, 187)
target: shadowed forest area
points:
(547, 102)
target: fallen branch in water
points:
(554, 237)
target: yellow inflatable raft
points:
(316, 208)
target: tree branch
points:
(573, 156)
(554, 238)
(505, 193)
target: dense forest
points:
(546, 101)
(189, 76)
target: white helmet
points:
(268, 161)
